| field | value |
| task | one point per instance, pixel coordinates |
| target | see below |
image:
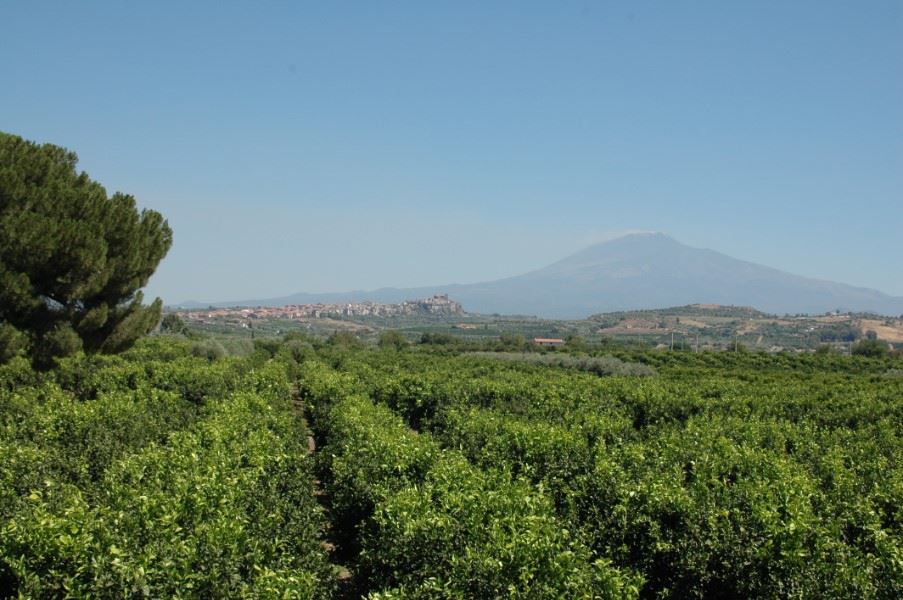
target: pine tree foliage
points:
(72, 258)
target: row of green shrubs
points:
(419, 386)
(422, 522)
(157, 475)
(716, 508)
(759, 363)
(597, 365)
(723, 487)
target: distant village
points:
(439, 305)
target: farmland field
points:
(440, 474)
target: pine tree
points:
(72, 258)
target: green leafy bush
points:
(425, 523)
(177, 478)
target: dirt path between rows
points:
(346, 584)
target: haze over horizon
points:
(633, 272)
(600, 244)
(330, 148)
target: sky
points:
(327, 147)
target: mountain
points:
(638, 271)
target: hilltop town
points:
(438, 305)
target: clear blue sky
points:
(336, 146)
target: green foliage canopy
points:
(173, 323)
(393, 339)
(870, 347)
(72, 258)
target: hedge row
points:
(156, 492)
(725, 489)
(704, 515)
(428, 524)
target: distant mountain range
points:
(637, 271)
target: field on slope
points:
(440, 474)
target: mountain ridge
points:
(635, 271)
